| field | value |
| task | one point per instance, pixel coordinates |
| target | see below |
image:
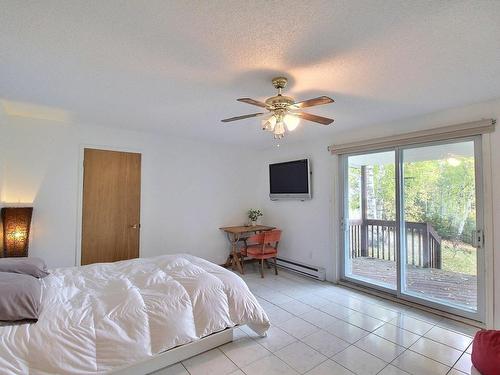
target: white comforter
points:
(104, 316)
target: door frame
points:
(79, 213)
(484, 221)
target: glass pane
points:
(371, 216)
(439, 215)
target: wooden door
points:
(111, 206)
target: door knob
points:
(134, 226)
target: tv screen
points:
(290, 179)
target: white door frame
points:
(79, 210)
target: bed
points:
(132, 316)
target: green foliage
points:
(438, 192)
(443, 195)
(459, 257)
(254, 214)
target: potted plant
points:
(254, 215)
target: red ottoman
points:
(486, 352)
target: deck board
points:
(451, 286)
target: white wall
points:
(307, 225)
(189, 189)
(310, 229)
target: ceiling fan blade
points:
(252, 102)
(312, 102)
(242, 117)
(314, 118)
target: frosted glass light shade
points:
(268, 124)
(291, 122)
(279, 130)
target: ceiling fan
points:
(283, 111)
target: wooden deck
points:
(444, 285)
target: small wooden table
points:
(234, 234)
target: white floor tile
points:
(314, 300)
(296, 292)
(363, 321)
(318, 318)
(380, 347)
(450, 338)
(381, 313)
(239, 333)
(459, 327)
(469, 349)
(325, 343)
(244, 351)
(397, 335)
(265, 304)
(318, 314)
(336, 310)
(208, 363)
(417, 364)
(269, 366)
(278, 315)
(296, 307)
(297, 327)
(392, 370)
(329, 367)
(177, 369)
(331, 293)
(436, 351)
(424, 315)
(249, 331)
(276, 298)
(354, 303)
(412, 324)
(359, 361)
(464, 364)
(276, 339)
(300, 357)
(346, 331)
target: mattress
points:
(101, 317)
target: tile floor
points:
(322, 329)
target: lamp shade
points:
(16, 223)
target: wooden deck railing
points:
(377, 239)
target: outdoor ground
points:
(443, 284)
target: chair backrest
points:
(256, 239)
(268, 237)
(272, 236)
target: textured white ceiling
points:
(176, 67)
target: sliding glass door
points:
(412, 224)
(370, 218)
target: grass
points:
(459, 258)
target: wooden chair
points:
(264, 246)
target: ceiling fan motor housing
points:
(279, 101)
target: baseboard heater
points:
(314, 272)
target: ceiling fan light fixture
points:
(282, 110)
(279, 130)
(291, 122)
(269, 124)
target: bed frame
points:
(177, 354)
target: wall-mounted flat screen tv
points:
(290, 180)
